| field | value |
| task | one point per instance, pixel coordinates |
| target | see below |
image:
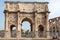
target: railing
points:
(54, 35)
(31, 34)
(13, 34)
(42, 34)
(27, 39)
(2, 34)
(28, 35)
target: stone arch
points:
(13, 30)
(29, 34)
(26, 19)
(40, 30)
(11, 27)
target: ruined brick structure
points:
(54, 24)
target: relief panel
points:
(12, 18)
(41, 19)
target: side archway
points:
(40, 30)
(13, 30)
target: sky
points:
(54, 8)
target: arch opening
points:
(26, 27)
(13, 30)
(40, 31)
(13, 27)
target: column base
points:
(36, 34)
(18, 34)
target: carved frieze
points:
(41, 19)
(26, 15)
(12, 17)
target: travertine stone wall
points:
(26, 6)
(34, 12)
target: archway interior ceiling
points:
(27, 19)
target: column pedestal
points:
(36, 34)
(7, 34)
(18, 34)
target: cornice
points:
(24, 12)
(25, 2)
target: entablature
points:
(27, 6)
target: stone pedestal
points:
(36, 34)
(7, 34)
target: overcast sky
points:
(54, 8)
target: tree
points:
(27, 32)
(22, 31)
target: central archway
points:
(28, 26)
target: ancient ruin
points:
(34, 12)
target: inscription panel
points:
(26, 7)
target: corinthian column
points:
(36, 28)
(18, 27)
(7, 32)
(47, 25)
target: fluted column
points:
(36, 28)
(19, 27)
(47, 24)
(33, 29)
(7, 33)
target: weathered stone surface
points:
(26, 6)
(35, 12)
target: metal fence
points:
(28, 35)
(42, 34)
(31, 34)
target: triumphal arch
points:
(35, 12)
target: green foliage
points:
(22, 31)
(27, 32)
